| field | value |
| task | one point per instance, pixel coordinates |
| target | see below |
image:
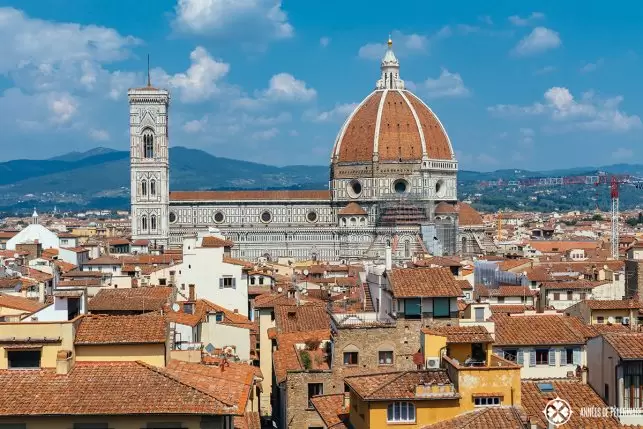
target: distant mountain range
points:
(100, 176)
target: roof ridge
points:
(387, 382)
(172, 377)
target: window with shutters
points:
(542, 356)
(511, 354)
(227, 282)
(556, 296)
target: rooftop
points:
(134, 299)
(423, 282)
(402, 385)
(461, 334)
(628, 345)
(99, 329)
(537, 330)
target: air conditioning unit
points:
(626, 321)
(432, 362)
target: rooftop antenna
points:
(149, 83)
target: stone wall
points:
(633, 277)
(298, 413)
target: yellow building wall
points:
(433, 345)
(460, 351)
(606, 314)
(153, 354)
(114, 422)
(426, 413)
(63, 330)
(489, 380)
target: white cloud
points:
(403, 44)
(446, 85)
(62, 107)
(529, 20)
(195, 125)
(241, 19)
(622, 154)
(200, 81)
(324, 41)
(337, 114)
(526, 138)
(268, 134)
(486, 19)
(285, 87)
(568, 113)
(590, 67)
(545, 70)
(98, 135)
(44, 44)
(540, 39)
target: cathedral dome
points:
(391, 124)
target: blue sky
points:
(530, 84)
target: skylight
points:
(546, 387)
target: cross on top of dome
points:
(390, 67)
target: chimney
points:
(41, 292)
(64, 362)
(583, 374)
(191, 296)
(389, 256)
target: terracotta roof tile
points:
(510, 308)
(104, 260)
(485, 418)
(286, 357)
(294, 318)
(439, 261)
(576, 393)
(19, 303)
(134, 299)
(249, 420)
(91, 282)
(271, 300)
(230, 384)
(103, 388)
(164, 259)
(331, 410)
(423, 282)
(537, 330)
(122, 330)
(359, 131)
(211, 241)
(437, 141)
(628, 345)
(398, 385)
(575, 284)
(248, 195)
(613, 304)
(83, 274)
(461, 334)
(353, 209)
(444, 208)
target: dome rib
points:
(378, 123)
(361, 141)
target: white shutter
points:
(532, 357)
(520, 357)
(552, 357)
(577, 356)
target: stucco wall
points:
(153, 354)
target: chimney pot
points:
(64, 362)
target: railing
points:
(186, 345)
(360, 319)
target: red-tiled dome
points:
(395, 125)
(445, 208)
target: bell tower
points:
(149, 164)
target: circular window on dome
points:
(218, 217)
(439, 187)
(172, 217)
(401, 186)
(266, 216)
(312, 216)
(354, 188)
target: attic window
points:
(188, 308)
(546, 387)
(219, 317)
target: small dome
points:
(444, 208)
(353, 209)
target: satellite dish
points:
(176, 307)
(306, 272)
(280, 289)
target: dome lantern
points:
(390, 67)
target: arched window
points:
(144, 223)
(152, 187)
(400, 412)
(144, 188)
(153, 222)
(148, 144)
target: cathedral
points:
(393, 181)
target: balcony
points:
(358, 320)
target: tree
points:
(597, 217)
(640, 220)
(632, 221)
